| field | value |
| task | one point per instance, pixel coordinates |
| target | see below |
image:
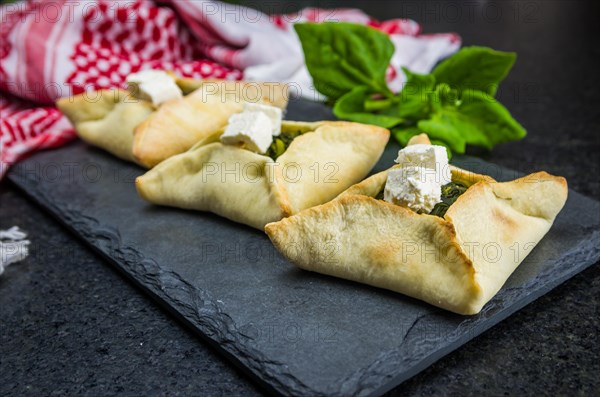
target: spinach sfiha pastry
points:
(456, 257)
(313, 163)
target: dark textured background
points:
(70, 324)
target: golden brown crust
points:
(421, 139)
(457, 263)
(370, 241)
(468, 178)
(177, 125)
(134, 130)
(273, 93)
(498, 224)
(328, 161)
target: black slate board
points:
(295, 332)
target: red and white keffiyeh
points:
(50, 49)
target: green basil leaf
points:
(341, 56)
(414, 97)
(478, 120)
(414, 101)
(352, 107)
(441, 127)
(443, 96)
(475, 68)
(378, 104)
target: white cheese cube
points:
(432, 157)
(250, 128)
(145, 76)
(413, 187)
(155, 86)
(272, 112)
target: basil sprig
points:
(454, 104)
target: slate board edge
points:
(372, 380)
(222, 338)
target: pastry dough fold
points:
(253, 189)
(458, 263)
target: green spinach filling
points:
(450, 193)
(281, 143)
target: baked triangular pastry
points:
(458, 262)
(109, 119)
(322, 161)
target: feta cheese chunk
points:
(432, 157)
(417, 182)
(155, 86)
(413, 187)
(254, 129)
(272, 112)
